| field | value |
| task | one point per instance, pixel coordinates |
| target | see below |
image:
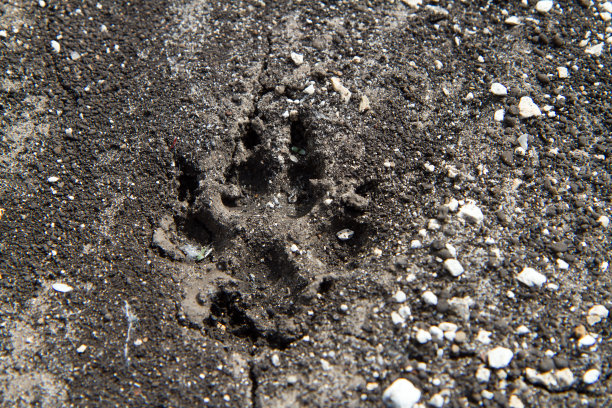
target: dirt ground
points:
(295, 204)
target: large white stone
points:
(530, 277)
(401, 394)
(528, 108)
(499, 357)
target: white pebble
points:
(498, 89)
(483, 374)
(599, 310)
(523, 141)
(515, 402)
(396, 318)
(437, 401)
(484, 336)
(436, 332)
(512, 21)
(452, 205)
(604, 221)
(594, 50)
(345, 94)
(453, 267)
(587, 341)
(591, 376)
(561, 264)
(607, 6)
(499, 115)
(404, 312)
(81, 349)
(423, 336)
(530, 277)
(429, 298)
(364, 104)
(53, 179)
(521, 330)
(416, 244)
(56, 46)
(499, 357)
(399, 297)
(448, 327)
(275, 360)
(401, 394)
(544, 6)
(309, 90)
(527, 108)
(61, 287)
(562, 72)
(298, 59)
(471, 212)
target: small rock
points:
(298, 59)
(309, 90)
(587, 341)
(484, 336)
(594, 50)
(355, 201)
(562, 72)
(596, 314)
(53, 179)
(515, 402)
(416, 244)
(453, 267)
(345, 94)
(512, 21)
(499, 357)
(483, 374)
(345, 234)
(471, 213)
(591, 376)
(56, 46)
(423, 336)
(401, 394)
(396, 318)
(399, 297)
(499, 114)
(81, 349)
(530, 277)
(604, 221)
(61, 287)
(498, 89)
(523, 141)
(527, 108)
(429, 298)
(544, 6)
(364, 104)
(275, 360)
(579, 331)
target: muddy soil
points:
(295, 204)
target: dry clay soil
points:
(186, 176)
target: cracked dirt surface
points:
(252, 203)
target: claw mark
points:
(131, 319)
